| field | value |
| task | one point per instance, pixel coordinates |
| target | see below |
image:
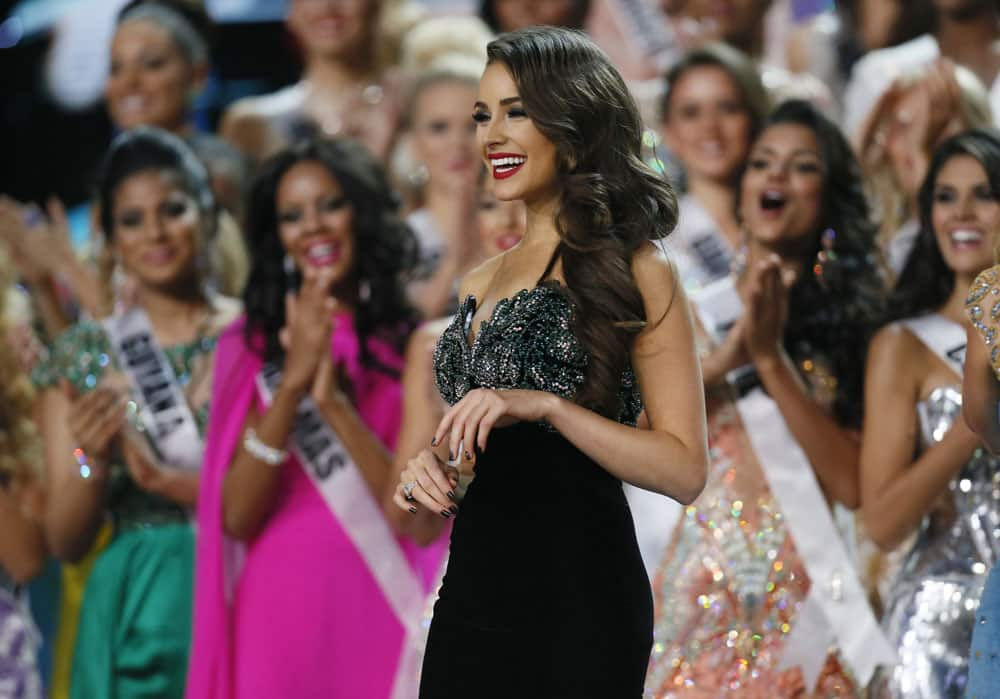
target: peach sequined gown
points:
(730, 585)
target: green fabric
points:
(82, 355)
(135, 618)
(135, 623)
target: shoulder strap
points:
(556, 254)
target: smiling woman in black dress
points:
(559, 345)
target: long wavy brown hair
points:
(611, 201)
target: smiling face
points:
(150, 79)
(315, 220)
(332, 28)
(707, 124)
(781, 197)
(520, 159)
(501, 223)
(444, 138)
(965, 214)
(157, 229)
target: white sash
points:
(943, 337)
(836, 611)
(163, 415)
(343, 488)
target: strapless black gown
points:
(545, 594)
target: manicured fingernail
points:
(445, 513)
(434, 442)
(413, 510)
(468, 456)
(451, 495)
(454, 509)
(451, 456)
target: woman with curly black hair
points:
(926, 481)
(307, 400)
(785, 340)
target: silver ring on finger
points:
(408, 490)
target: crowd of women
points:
(212, 406)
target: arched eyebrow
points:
(503, 103)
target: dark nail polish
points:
(451, 495)
(445, 513)
(413, 510)
(454, 509)
(451, 456)
(468, 456)
(434, 442)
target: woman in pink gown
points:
(288, 603)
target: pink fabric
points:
(306, 618)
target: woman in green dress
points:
(123, 407)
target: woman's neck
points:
(719, 200)
(541, 224)
(331, 76)
(954, 308)
(176, 317)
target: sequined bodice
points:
(963, 537)
(83, 355)
(527, 343)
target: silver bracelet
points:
(262, 452)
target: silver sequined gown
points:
(931, 610)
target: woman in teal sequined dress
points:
(157, 214)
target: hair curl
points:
(611, 201)
(385, 249)
(927, 281)
(835, 313)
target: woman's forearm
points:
(74, 507)
(831, 449)
(370, 455)
(897, 510)
(250, 486)
(22, 546)
(649, 459)
(180, 487)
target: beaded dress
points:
(19, 642)
(545, 594)
(135, 619)
(932, 609)
(731, 582)
(983, 308)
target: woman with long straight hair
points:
(927, 483)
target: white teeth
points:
(500, 162)
(321, 250)
(966, 236)
(132, 103)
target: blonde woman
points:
(896, 142)
(22, 545)
(347, 88)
